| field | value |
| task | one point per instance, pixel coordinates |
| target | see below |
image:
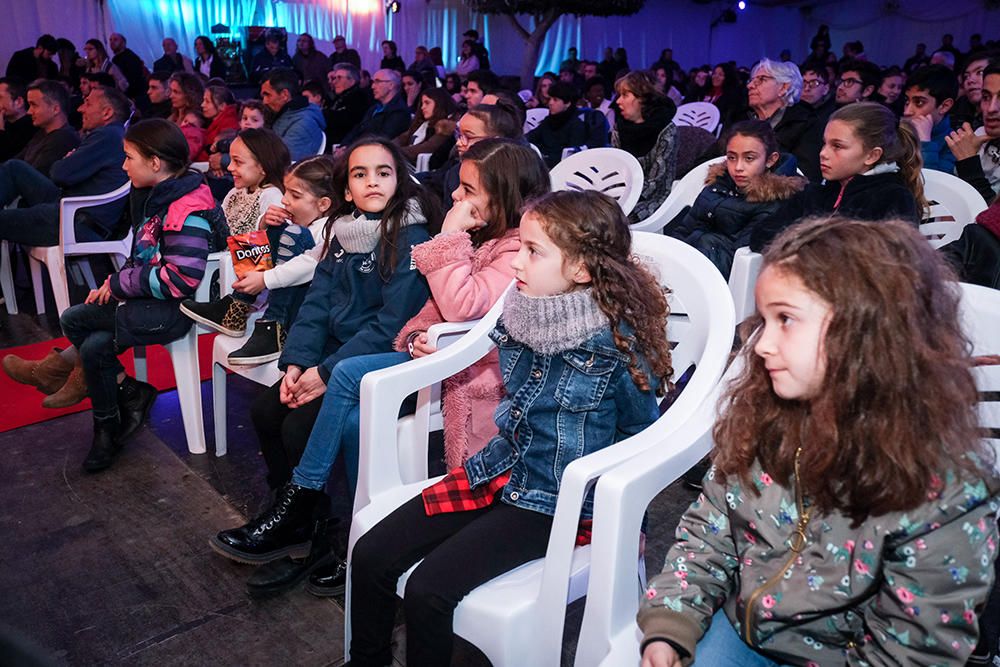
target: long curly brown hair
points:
(896, 408)
(591, 227)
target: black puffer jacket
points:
(722, 218)
(877, 196)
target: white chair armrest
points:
(423, 162)
(213, 264)
(442, 333)
(383, 392)
(68, 206)
(227, 273)
(200, 166)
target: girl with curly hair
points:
(583, 354)
(849, 516)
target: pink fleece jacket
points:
(465, 282)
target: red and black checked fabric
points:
(453, 494)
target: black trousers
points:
(282, 432)
(460, 551)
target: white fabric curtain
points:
(684, 26)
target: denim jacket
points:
(557, 408)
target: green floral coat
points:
(901, 589)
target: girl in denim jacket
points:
(849, 517)
(583, 355)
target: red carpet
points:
(21, 405)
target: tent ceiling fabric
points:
(763, 29)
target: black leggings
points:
(283, 432)
(461, 550)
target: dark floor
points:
(115, 568)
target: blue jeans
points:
(337, 423)
(287, 241)
(722, 647)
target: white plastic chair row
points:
(683, 193)
(612, 171)
(517, 618)
(54, 257)
(533, 117)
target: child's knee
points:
(425, 595)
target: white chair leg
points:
(88, 273)
(7, 279)
(141, 370)
(184, 356)
(37, 285)
(60, 288)
(219, 408)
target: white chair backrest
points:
(954, 204)
(684, 192)
(533, 117)
(698, 114)
(743, 281)
(423, 163)
(612, 171)
(980, 312)
(322, 145)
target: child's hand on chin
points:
(462, 217)
(660, 654)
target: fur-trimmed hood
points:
(769, 187)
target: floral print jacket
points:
(901, 589)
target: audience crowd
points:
(392, 200)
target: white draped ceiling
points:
(682, 25)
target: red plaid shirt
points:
(453, 494)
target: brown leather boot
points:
(71, 393)
(48, 375)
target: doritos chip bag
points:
(251, 252)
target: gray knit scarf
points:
(360, 232)
(553, 324)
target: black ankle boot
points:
(105, 447)
(328, 580)
(283, 530)
(134, 402)
(284, 574)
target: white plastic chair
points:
(954, 204)
(200, 166)
(980, 313)
(517, 618)
(532, 118)
(743, 280)
(184, 358)
(609, 635)
(412, 467)
(572, 150)
(54, 257)
(698, 114)
(423, 162)
(322, 145)
(612, 171)
(682, 194)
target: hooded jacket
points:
(300, 125)
(722, 218)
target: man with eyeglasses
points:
(389, 116)
(858, 81)
(971, 90)
(816, 91)
(349, 104)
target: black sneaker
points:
(264, 345)
(227, 315)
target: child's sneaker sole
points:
(253, 361)
(214, 326)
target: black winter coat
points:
(723, 218)
(872, 197)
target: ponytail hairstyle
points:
(270, 152)
(510, 173)
(408, 193)
(158, 137)
(317, 174)
(589, 226)
(501, 119)
(876, 126)
(760, 130)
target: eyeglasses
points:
(760, 80)
(847, 83)
(813, 83)
(465, 139)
